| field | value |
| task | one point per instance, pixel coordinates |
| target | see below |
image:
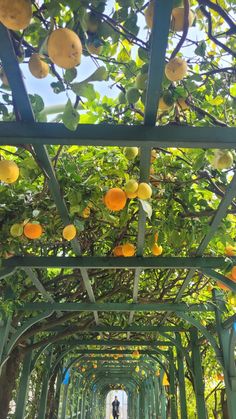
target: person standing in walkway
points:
(115, 408)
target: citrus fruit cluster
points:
(126, 250)
(115, 199)
(34, 231)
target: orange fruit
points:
(176, 69)
(233, 273)
(9, 171)
(69, 232)
(177, 22)
(33, 231)
(157, 250)
(86, 212)
(230, 250)
(64, 48)
(131, 195)
(144, 191)
(115, 199)
(38, 67)
(15, 14)
(128, 249)
(136, 354)
(182, 104)
(117, 251)
(222, 286)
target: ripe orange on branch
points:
(69, 232)
(64, 48)
(33, 231)
(177, 21)
(15, 14)
(176, 69)
(230, 250)
(157, 250)
(115, 199)
(128, 249)
(117, 251)
(38, 67)
(9, 171)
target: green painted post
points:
(64, 400)
(162, 397)
(77, 393)
(172, 386)
(5, 323)
(198, 375)
(157, 396)
(228, 354)
(23, 386)
(181, 379)
(44, 391)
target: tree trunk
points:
(51, 401)
(8, 378)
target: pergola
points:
(85, 393)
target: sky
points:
(42, 86)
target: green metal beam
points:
(118, 329)
(22, 395)
(221, 278)
(117, 342)
(36, 133)
(91, 262)
(181, 307)
(198, 376)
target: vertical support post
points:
(157, 395)
(5, 323)
(58, 390)
(64, 400)
(198, 375)
(23, 386)
(181, 379)
(44, 391)
(77, 393)
(172, 386)
(162, 397)
(228, 354)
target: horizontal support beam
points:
(118, 329)
(180, 307)
(113, 351)
(118, 342)
(94, 262)
(13, 133)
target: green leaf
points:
(70, 74)
(146, 207)
(201, 49)
(70, 116)
(84, 90)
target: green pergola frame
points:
(26, 131)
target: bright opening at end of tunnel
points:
(123, 406)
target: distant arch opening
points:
(123, 399)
